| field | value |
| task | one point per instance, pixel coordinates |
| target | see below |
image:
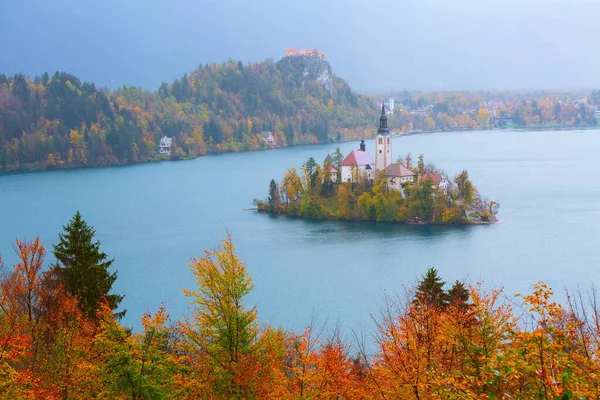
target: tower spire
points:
(383, 126)
(383, 157)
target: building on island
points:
(398, 176)
(334, 174)
(268, 137)
(383, 143)
(358, 162)
(164, 146)
(437, 181)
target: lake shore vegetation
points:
(315, 193)
(57, 121)
(436, 341)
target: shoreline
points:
(395, 135)
(405, 223)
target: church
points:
(360, 163)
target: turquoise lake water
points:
(153, 218)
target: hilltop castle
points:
(290, 52)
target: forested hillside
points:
(59, 122)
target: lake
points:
(153, 218)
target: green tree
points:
(365, 206)
(83, 269)
(337, 157)
(222, 331)
(430, 290)
(421, 164)
(139, 366)
(465, 188)
(310, 170)
(458, 295)
(274, 197)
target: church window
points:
(380, 151)
(380, 141)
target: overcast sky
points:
(376, 45)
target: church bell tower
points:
(383, 158)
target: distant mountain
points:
(59, 122)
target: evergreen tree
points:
(430, 291)
(274, 197)
(458, 295)
(83, 268)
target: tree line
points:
(463, 110)
(60, 122)
(60, 338)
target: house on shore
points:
(164, 146)
(268, 137)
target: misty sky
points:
(375, 45)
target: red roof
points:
(435, 178)
(357, 157)
(334, 169)
(397, 170)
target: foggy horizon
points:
(376, 46)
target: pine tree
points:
(83, 269)
(430, 291)
(458, 295)
(274, 197)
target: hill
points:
(59, 122)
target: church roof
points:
(358, 158)
(397, 169)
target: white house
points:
(389, 105)
(268, 137)
(398, 176)
(357, 162)
(164, 147)
(437, 180)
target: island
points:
(360, 188)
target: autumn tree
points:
(222, 333)
(291, 188)
(465, 188)
(345, 200)
(83, 269)
(21, 311)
